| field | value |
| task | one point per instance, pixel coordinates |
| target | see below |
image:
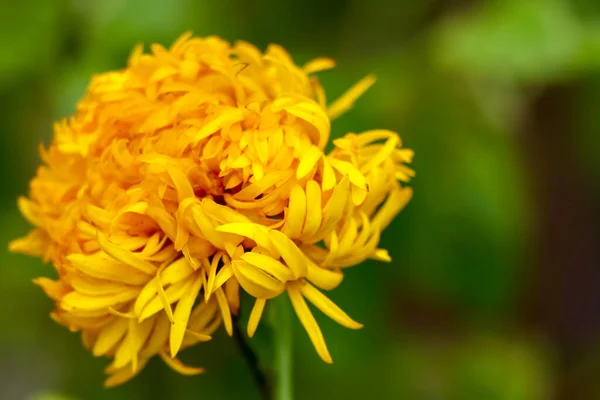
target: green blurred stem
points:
(252, 361)
(282, 326)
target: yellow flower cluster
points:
(194, 172)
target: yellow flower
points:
(192, 173)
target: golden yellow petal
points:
(309, 322)
(328, 307)
(110, 335)
(225, 312)
(180, 367)
(78, 301)
(182, 315)
(290, 253)
(308, 161)
(126, 257)
(318, 64)
(255, 315)
(269, 265)
(255, 281)
(324, 278)
(296, 213)
(346, 101)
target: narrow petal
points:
(296, 213)
(345, 168)
(269, 265)
(123, 375)
(256, 232)
(201, 337)
(324, 278)
(180, 367)
(103, 267)
(182, 315)
(232, 293)
(309, 322)
(346, 101)
(318, 64)
(313, 208)
(109, 336)
(225, 312)
(308, 161)
(290, 253)
(395, 202)
(328, 307)
(257, 310)
(125, 256)
(255, 281)
(223, 276)
(164, 298)
(78, 301)
(159, 337)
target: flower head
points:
(193, 173)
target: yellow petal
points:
(159, 337)
(383, 154)
(328, 307)
(318, 64)
(335, 207)
(176, 271)
(103, 267)
(126, 257)
(232, 293)
(162, 295)
(78, 301)
(290, 253)
(180, 367)
(94, 287)
(201, 337)
(226, 117)
(54, 289)
(324, 278)
(252, 191)
(223, 276)
(381, 255)
(256, 232)
(29, 210)
(255, 281)
(225, 312)
(297, 213)
(309, 322)
(110, 335)
(171, 295)
(182, 315)
(257, 310)
(122, 375)
(269, 265)
(346, 168)
(181, 182)
(313, 208)
(308, 161)
(329, 179)
(396, 201)
(212, 273)
(346, 101)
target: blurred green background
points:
(494, 291)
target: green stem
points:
(262, 382)
(282, 314)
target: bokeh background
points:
(494, 291)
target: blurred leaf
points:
(528, 41)
(471, 367)
(29, 37)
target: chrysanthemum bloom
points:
(192, 173)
